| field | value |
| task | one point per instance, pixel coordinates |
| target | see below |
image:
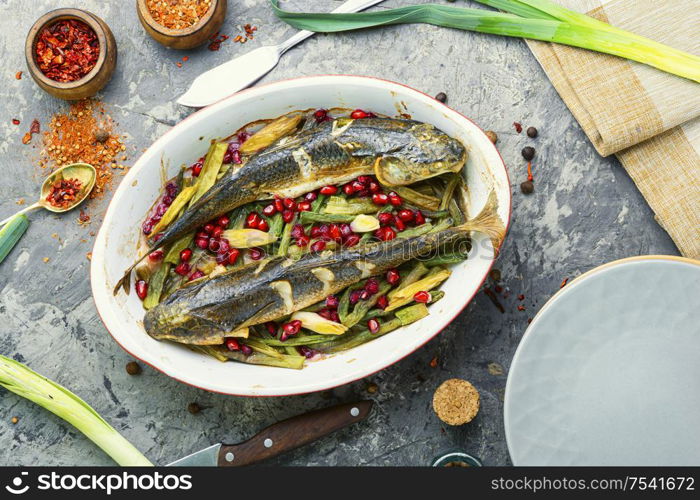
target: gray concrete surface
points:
(585, 211)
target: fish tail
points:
(488, 222)
(125, 281)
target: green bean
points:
(310, 217)
(173, 255)
(424, 202)
(296, 341)
(261, 346)
(416, 273)
(155, 286)
(360, 337)
(365, 238)
(432, 214)
(344, 305)
(416, 231)
(449, 259)
(317, 204)
(363, 306)
(276, 225)
(286, 361)
(286, 238)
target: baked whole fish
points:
(208, 310)
(399, 152)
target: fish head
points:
(174, 322)
(425, 152)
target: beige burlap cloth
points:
(648, 118)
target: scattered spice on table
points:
(194, 408)
(564, 282)
(434, 362)
(531, 132)
(528, 153)
(518, 127)
(34, 128)
(456, 402)
(14, 420)
(88, 256)
(67, 50)
(493, 137)
(18, 75)
(442, 97)
(372, 388)
(45, 259)
(64, 192)
(521, 307)
(495, 369)
(83, 218)
(84, 133)
(494, 298)
(521, 297)
(216, 40)
(178, 14)
(178, 64)
(133, 368)
(21, 201)
(495, 274)
(15, 121)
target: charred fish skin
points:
(204, 312)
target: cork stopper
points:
(456, 401)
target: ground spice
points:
(64, 193)
(456, 401)
(434, 362)
(564, 282)
(521, 307)
(34, 128)
(518, 127)
(494, 298)
(15, 121)
(178, 14)
(84, 134)
(67, 50)
(216, 40)
(18, 75)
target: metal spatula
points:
(239, 73)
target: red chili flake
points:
(521, 307)
(518, 127)
(179, 64)
(185, 59)
(67, 50)
(498, 288)
(489, 293)
(18, 75)
(529, 171)
(434, 362)
(521, 297)
(64, 192)
(27, 138)
(35, 128)
(15, 121)
(529, 320)
(563, 283)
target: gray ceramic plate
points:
(608, 373)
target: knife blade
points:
(237, 74)
(280, 437)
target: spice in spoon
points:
(64, 192)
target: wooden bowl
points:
(188, 38)
(97, 78)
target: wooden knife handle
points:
(292, 433)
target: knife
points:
(280, 437)
(239, 73)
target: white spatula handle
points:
(349, 6)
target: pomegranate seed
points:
(382, 302)
(358, 114)
(222, 258)
(224, 246)
(355, 296)
(202, 234)
(362, 193)
(287, 216)
(357, 186)
(325, 313)
(374, 187)
(345, 229)
(217, 232)
(157, 237)
(364, 179)
(395, 199)
(272, 328)
(385, 233)
(332, 302)
(297, 231)
(279, 206)
(380, 199)
(373, 325)
(256, 253)
(263, 226)
(289, 204)
(253, 220)
(147, 227)
(372, 286)
(269, 210)
(196, 275)
(302, 241)
(306, 352)
(312, 196)
(185, 255)
(292, 328)
(182, 268)
(202, 243)
(399, 224)
(348, 189)
(422, 296)
(335, 316)
(232, 256)
(405, 215)
(155, 256)
(385, 218)
(328, 190)
(318, 246)
(303, 206)
(208, 228)
(393, 277)
(247, 350)
(351, 240)
(324, 229)
(315, 232)
(364, 295)
(197, 169)
(232, 345)
(243, 136)
(214, 245)
(141, 289)
(223, 221)
(320, 115)
(334, 232)
(419, 218)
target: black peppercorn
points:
(133, 368)
(532, 132)
(193, 408)
(442, 97)
(527, 187)
(528, 153)
(101, 135)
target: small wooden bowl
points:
(187, 38)
(96, 79)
